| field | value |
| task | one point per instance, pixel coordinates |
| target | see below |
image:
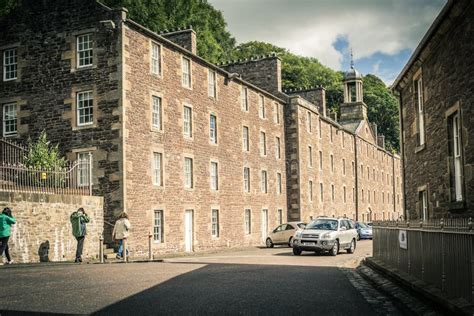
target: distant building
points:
(200, 155)
(436, 90)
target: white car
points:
(326, 234)
(283, 234)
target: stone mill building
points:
(200, 155)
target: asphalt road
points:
(247, 282)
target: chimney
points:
(381, 141)
(185, 38)
(315, 95)
(262, 71)
(374, 129)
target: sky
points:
(381, 33)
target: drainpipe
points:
(356, 178)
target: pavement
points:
(254, 281)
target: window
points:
(276, 113)
(309, 123)
(423, 204)
(83, 169)
(214, 176)
(353, 169)
(263, 144)
(375, 201)
(215, 223)
(310, 156)
(280, 216)
(246, 179)
(368, 173)
(343, 167)
(186, 72)
(343, 141)
(158, 226)
(188, 121)
(368, 196)
(85, 108)
(9, 119)
(245, 138)
(321, 192)
(332, 163)
(420, 113)
(455, 150)
(244, 98)
(320, 130)
(10, 64)
(373, 173)
(310, 190)
(361, 170)
(155, 59)
(362, 195)
(188, 173)
(84, 50)
(330, 134)
(353, 195)
(156, 119)
(212, 84)
(248, 221)
(277, 148)
(279, 184)
(264, 182)
(320, 160)
(157, 169)
(333, 192)
(344, 194)
(213, 129)
(261, 106)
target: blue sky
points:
(381, 33)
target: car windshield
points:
(301, 225)
(323, 224)
(363, 225)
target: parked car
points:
(283, 234)
(326, 234)
(364, 231)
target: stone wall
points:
(43, 230)
(446, 67)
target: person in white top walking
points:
(121, 232)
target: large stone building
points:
(200, 155)
(436, 90)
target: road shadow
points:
(248, 289)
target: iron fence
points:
(438, 252)
(73, 179)
(12, 152)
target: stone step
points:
(108, 251)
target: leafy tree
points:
(41, 154)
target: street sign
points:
(402, 239)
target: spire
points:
(352, 60)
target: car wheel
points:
(290, 242)
(353, 246)
(296, 251)
(335, 249)
(269, 243)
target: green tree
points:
(42, 155)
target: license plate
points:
(309, 244)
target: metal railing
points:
(12, 152)
(74, 179)
(438, 252)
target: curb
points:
(423, 290)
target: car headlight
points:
(326, 236)
(298, 235)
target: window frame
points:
(80, 168)
(157, 112)
(186, 76)
(248, 221)
(214, 175)
(13, 119)
(213, 130)
(246, 176)
(245, 138)
(157, 174)
(13, 64)
(244, 98)
(188, 175)
(264, 181)
(158, 227)
(215, 227)
(212, 83)
(90, 106)
(155, 61)
(90, 50)
(189, 123)
(263, 143)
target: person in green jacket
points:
(78, 222)
(6, 220)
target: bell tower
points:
(353, 109)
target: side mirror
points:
(343, 228)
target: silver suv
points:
(326, 234)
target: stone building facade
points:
(200, 155)
(436, 105)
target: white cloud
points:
(310, 28)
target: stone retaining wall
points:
(43, 230)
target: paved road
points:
(253, 281)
